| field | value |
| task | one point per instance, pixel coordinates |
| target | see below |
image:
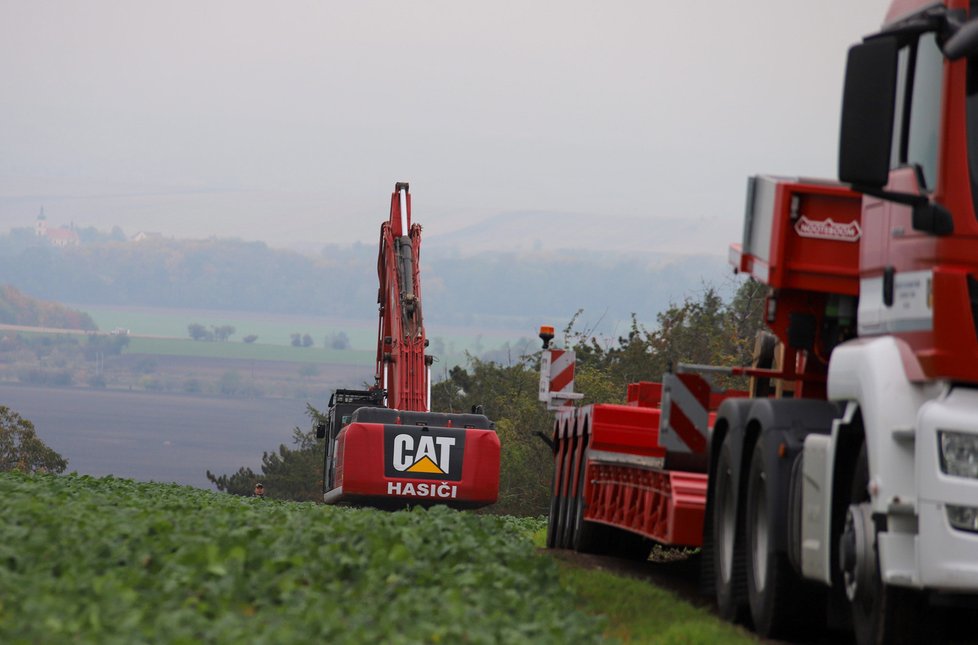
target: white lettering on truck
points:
(409, 489)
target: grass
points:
(639, 612)
(276, 329)
(271, 329)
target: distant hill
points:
(657, 240)
(19, 309)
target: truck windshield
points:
(925, 117)
(919, 80)
(971, 105)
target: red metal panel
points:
(645, 394)
(360, 469)
(624, 428)
(666, 506)
(815, 230)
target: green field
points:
(271, 329)
(86, 560)
(450, 346)
(254, 351)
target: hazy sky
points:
(291, 121)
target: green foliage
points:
(706, 331)
(301, 340)
(508, 396)
(223, 332)
(22, 450)
(288, 474)
(17, 308)
(44, 377)
(338, 340)
(106, 345)
(199, 332)
(113, 561)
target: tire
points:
(880, 613)
(729, 576)
(588, 537)
(568, 520)
(781, 603)
(554, 502)
(560, 537)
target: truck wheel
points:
(588, 537)
(568, 520)
(780, 603)
(880, 613)
(728, 557)
(563, 499)
(554, 504)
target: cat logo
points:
(430, 453)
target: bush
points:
(21, 449)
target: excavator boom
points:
(402, 367)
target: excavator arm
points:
(402, 367)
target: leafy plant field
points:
(116, 561)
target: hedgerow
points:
(117, 561)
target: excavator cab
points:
(342, 405)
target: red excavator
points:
(383, 447)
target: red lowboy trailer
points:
(383, 447)
(842, 489)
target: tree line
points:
(501, 288)
(17, 308)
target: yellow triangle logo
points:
(426, 465)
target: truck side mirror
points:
(320, 429)
(964, 42)
(868, 108)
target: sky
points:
(290, 121)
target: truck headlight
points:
(959, 453)
(963, 518)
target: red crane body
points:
(383, 447)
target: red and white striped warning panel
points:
(557, 378)
(685, 414)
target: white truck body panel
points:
(901, 419)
